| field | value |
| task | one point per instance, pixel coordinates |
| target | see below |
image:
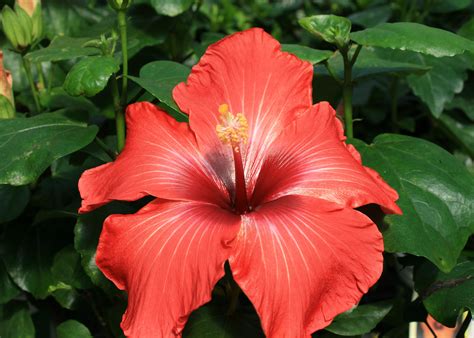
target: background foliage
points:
(411, 89)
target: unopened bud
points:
(6, 94)
(33, 9)
(22, 26)
(29, 6)
(119, 4)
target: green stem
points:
(465, 325)
(119, 116)
(394, 105)
(347, 93)
(122, 21)
(42, 82)
(29, 75)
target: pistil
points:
(233, 130)
(240, 201)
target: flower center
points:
(233, 130)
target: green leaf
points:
(171, 7)
(436, 196)
(414, 37)
(211, 321)
(159, 78)
(63, 48)
(32, 272)
(67, 268)
(467, 30)
(330, 28)
(359, 320)
(69, 17)
(447, 6)
(437, 87)
(29, 145)
(72, 329)
(57, 98)
(8, 289)
(14, 200)
(308, 54)
(446, 295)
(15, 321)
(372, 16)
(463, 132)
(90, 75)
(371, 61)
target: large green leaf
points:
(8, 290)
(415, 37)
(437, 87)
(308, 54)
(63, 48)
(371, 61)
(72, 329)
(372, 16)
(330, 28)
(29, 256)
(467, 30)
(446, 6)
(67, 268)
(446, 295)
(212, 321)
(15, 321)
(29, 145)
(171, 7)
(14, 200)
(359, 320)
(159, 78)
(68, 17)
(463, 132)
(464, 101)
(90, 75)
(436, 197)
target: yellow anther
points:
(233, 129)
(223, 108)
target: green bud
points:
(10, 26)
(6, 108)
(119, 4)
(37, 20)
(26, 25)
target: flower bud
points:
(119, 4)
(22, 26)
(29, 6)
(6, 94)
(33, 9)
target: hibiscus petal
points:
(249, 72)
(160, 158)
(310, 158)
(168, 257)
(302, 261)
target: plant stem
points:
(122, 22)
(29, 75)
(394, 105)
(347, 93)
(42, 82)
(119, 116)
(465, 325)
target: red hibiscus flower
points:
(260, 177)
